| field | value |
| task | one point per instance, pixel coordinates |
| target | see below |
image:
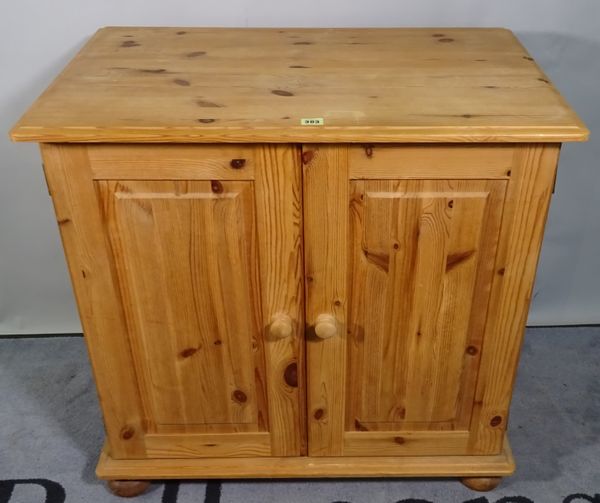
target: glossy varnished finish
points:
(302, 301)
(255, 85)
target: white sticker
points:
(316, 121)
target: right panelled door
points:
(403, 247)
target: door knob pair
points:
(282, 326)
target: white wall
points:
(37, 38)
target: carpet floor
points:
(51, 434)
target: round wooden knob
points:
(326, 326)
(281, 326)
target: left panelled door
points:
(181, 258)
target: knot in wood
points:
(290, 375)
(237, 163)
(239, 396)
(307, 156)
(127, 432)
(216, 186)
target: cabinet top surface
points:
(256, 85)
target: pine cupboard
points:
(302, 252)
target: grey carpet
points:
(50, 431)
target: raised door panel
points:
(186, 259)
(417, 274)
(421, 256)
(194, 287)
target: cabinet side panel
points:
(526, 207)
(94, 281)
(278, 188)
(326, 236)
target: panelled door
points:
(189, 260)
(402, 257)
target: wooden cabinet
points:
(266, 299)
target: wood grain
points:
(95, 283)
(176, 291)
(369, 85)
(526, 208)
(169, 162)
(194, 347)
(218, 445)
(405, 443)
(278, 188)
(393, 162)
(308, 467)
(325, 248)
(422, 255)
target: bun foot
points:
(481, 484)
(128, 488)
